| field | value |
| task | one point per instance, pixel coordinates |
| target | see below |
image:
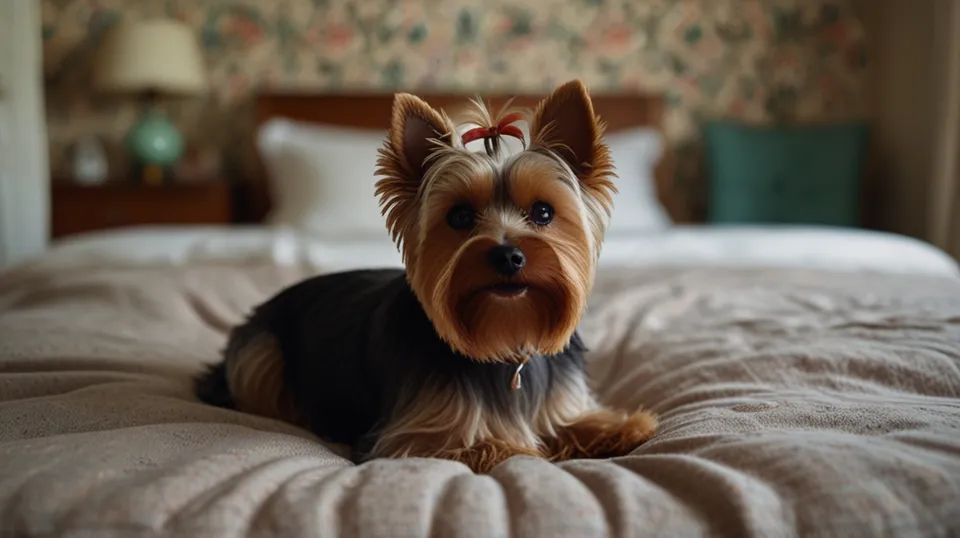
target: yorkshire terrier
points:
(470, 353)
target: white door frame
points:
(24, 157)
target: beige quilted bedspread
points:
(793, 403)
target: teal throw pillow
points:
(785, 175)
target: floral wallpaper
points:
(757, 60)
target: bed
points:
(807, 380)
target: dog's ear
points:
(416, 131)
(566, 123)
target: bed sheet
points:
(794, 401)
(809, 247)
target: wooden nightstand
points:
(78, 208)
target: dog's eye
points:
(541, 213)
(461, 217)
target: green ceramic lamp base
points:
(155, 145)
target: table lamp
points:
(152, 59)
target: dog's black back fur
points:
(351, 342)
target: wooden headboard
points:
(372, 111)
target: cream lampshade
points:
(159, 55)
(152, 58)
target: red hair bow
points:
(504, 127)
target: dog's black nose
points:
(506, 260)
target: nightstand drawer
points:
(76, 209)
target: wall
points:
(908, 48)
(751, 59)
(902, 98)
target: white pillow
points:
(322, 178)
(635, 153)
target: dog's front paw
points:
(482, 457)
(602, 433)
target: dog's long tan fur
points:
(427, 175)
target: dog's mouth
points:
(507, 290)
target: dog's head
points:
(500, 249)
